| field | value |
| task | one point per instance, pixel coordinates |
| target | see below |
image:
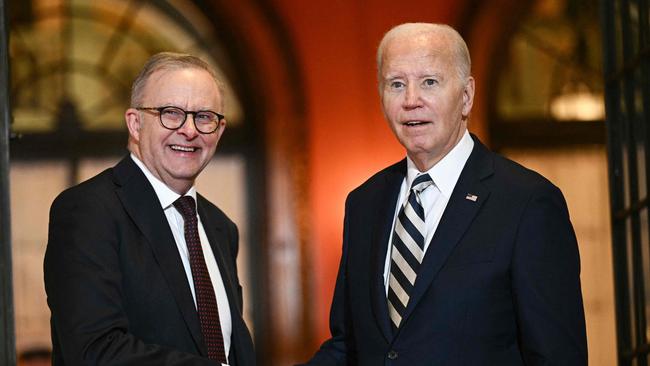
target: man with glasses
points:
(140, 269)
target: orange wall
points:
(335, 42)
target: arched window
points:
(549, 84)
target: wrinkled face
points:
(175, 157)
(424, 100)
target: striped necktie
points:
(206, 301)
(407, 251)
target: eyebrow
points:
(436, 75)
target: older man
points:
(139, 268)
(455, 255)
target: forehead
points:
(422, 51)
(178, 83)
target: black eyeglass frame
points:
(185, 113)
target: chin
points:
(184, 172)
(418, 147)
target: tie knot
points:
(186, 206)
(421, 182)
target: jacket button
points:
(392, 355)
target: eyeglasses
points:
(173, 118)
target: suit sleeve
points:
(83, 285)
(234, 249)
(339, 348)
(546, 283)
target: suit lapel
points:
(383, 225)
(216, 232)
(456, 219)
(142, 205)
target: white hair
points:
(460, 51)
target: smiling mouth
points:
(182, 148)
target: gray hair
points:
(169, 61)
(460, 51)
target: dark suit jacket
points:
(499, 284)
(115, 281)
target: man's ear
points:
(133, 119)
(468, 96)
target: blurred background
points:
(305, 127)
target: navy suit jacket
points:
(499, 283)
(115, 282)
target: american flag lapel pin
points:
(471, 197)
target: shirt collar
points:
(445, 173)
(165, 195)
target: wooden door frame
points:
(7, 333)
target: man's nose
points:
(412, 97)
(189, 128)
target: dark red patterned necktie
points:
(205, 298)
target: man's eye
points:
(430, 82)
(204, 117)
(172, 113)
(396, 84)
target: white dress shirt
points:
(167, 197)
(434, 199)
